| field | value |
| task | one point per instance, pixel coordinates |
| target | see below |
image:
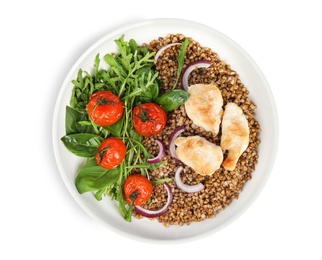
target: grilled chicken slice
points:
(201, 155)
(204, 106)
(235, 135)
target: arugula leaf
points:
(133, 46)
(181, 56)
(148, 85)
(129, 76)
(84, 86)
(158, 181)
(115, 66)
(125, 53)
(96, 64)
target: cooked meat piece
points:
(198, 153)
(204, 106)
(235, 135)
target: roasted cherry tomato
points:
(137, 189)
(111, 153)
(149, 119)
(105, 108)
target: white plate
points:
(107, 211)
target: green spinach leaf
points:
(74, 122)
(116, 128)
(92, 177)
(172, 99)
(83, 145)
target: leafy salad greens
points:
(130, 76)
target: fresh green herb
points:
(172, 99)
(181, 56)
(77, 122)
(158, 181)
(152, 92)
(130, 76)
(93, 177)
(83, 144)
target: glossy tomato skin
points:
(105, 108)
(111, 153)
(149, 119)
(137, 189)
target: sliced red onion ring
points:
(163, 49)
(187, 188)
(190, 67)
(173, 137)
(156, 213)
(160, 155)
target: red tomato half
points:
(137, 189)
(111, 153)
(149, 119)
(105, 108)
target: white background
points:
(41, 40)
